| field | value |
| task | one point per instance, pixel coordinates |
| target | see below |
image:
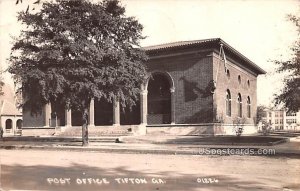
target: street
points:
(74, 170)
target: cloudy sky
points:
(258, 29)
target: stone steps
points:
(99, 131)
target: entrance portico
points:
(154, 106)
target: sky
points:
(259, 29)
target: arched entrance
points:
(103, 113)
(8, 124)
(76, 118)
(57, 115)
(159, 99)
(19, 123)
(131, 116)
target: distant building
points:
(10, 116)
(190, 90)
(280, 119)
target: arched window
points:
(8, 124)
(248, 107)
(227, 73)
(239, 105)
(239, 79)
(228, 103)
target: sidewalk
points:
(146, 145)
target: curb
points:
(104, 150)
(166, 151)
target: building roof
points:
(214, 42)
(8, 108)
(8, 93)
(7, 102)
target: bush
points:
(266, 128)
(238, 126)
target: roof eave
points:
(213, 41)
(244, 58)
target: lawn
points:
(228, 140)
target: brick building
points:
(192, 88)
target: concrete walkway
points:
(153, 144)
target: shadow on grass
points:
(36, 178)
(227, 140)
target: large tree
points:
(290, 94)
(260, 113)
(73, 51)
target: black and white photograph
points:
(151, 95)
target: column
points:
(92, 113)
(14, 125)
(142, 129)
(172, 90)
(47, 110)
(68, 118)
(284, 120)
(116, 113)
(144, 106)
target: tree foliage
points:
(290, 95)
(261, 113)
(75, 50)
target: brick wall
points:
(191, 74)
(35, 120)
(232, 83)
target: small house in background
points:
(10, 116)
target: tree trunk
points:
(85, 134)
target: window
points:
(228, 73)
(228, 103)
(248, 83)
(290, 114)
(290, 121)
(239, 105)
(239, 79)
(248, 107)
(270, 114)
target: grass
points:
(229, 140)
